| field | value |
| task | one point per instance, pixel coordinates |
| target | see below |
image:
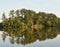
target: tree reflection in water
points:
(27, 36)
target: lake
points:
(49, 37)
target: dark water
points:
(49, 37)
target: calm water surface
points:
(48, 38)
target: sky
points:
(48, 6)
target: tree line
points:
(25, 18)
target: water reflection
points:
(27, 36)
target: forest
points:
(24, 19)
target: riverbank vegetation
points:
(29, 25)
(24, 19)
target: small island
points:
(30, 26)
(24, 19)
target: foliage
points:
(25, 18)
(26, 26)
